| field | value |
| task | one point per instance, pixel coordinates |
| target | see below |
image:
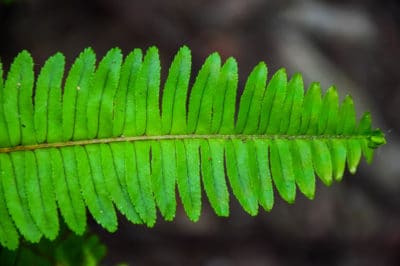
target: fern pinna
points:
(104, 140)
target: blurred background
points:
(353, 44)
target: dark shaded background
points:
(353, 44)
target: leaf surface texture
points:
(109, 138)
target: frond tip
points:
(103, 140)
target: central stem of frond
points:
(174, 137)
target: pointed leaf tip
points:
(376, 139)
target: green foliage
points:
(6, 2)
(67, 250)
(106, 140)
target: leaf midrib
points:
(178, 137)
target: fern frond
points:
(106, 140)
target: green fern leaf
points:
(259, 160)
(47, 112)
(107, 140)
(241, 175)
(66, 186)
(75, 96)
(188, 176)
(176, 86)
